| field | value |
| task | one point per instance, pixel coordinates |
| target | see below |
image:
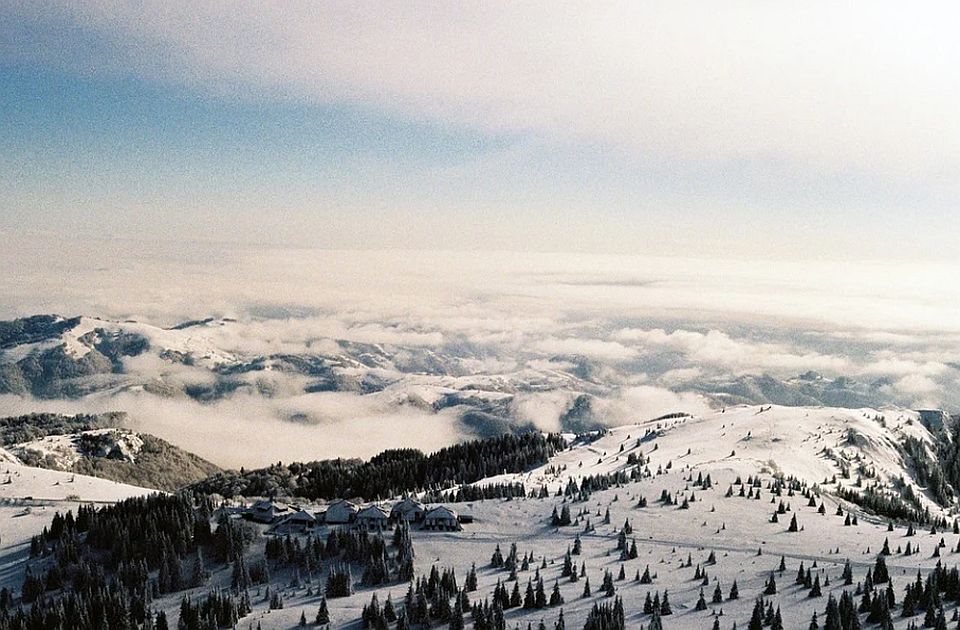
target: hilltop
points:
(99, 446)
(796, 508)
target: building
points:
(298, 522)
(373, 518)
(340, 513)
(268, 511)
(409, 510)
(442, 518)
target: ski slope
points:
(811, 444)
(764, 443)
(29, 497)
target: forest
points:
(392, 472)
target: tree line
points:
(392, 472)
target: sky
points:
(715, 130)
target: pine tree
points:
(756, 618)
(701, 602)
(645, 578)
(540, 596)
(323, 614)
(880, 574)
(556, 599)
(771, 586)
(815, 589)
(665, 604)
(777, 623)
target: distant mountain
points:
(51, 357)
(807, 389)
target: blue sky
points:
(654, 130)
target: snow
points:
(63, 451)
(767, 440)
(736, 442)
(195, 341)
(73, 345)
(746, 439)
(40, 484)
(29, 497)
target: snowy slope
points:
(29, 497)
(61, 452)
(19, 482)
(813, 444)
(810, 444)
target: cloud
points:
(645, 402)
(499, 327)
(716, 348)
(680, 376)
(664, 77)
(250, 430)
(593, 348)
(916, 384)
(542, 409)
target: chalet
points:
(409, 510)
(268, 511)
(298, 522)
(340, 513)
(441, 518)
(373, 518)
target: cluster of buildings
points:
(290, 519)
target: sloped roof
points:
(300, 515)
(407, 505)
(373, 511)
(441, 511)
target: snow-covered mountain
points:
(211, 360)
(713, 511)
(838, 450)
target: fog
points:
(651, 330)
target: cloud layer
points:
(823, 85)
(526, 335)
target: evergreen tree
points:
(815, 589)
(323, 614)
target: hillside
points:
(729, 507)
(839, 450)
(95, 446)
(30, 496)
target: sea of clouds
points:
(651, 330)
